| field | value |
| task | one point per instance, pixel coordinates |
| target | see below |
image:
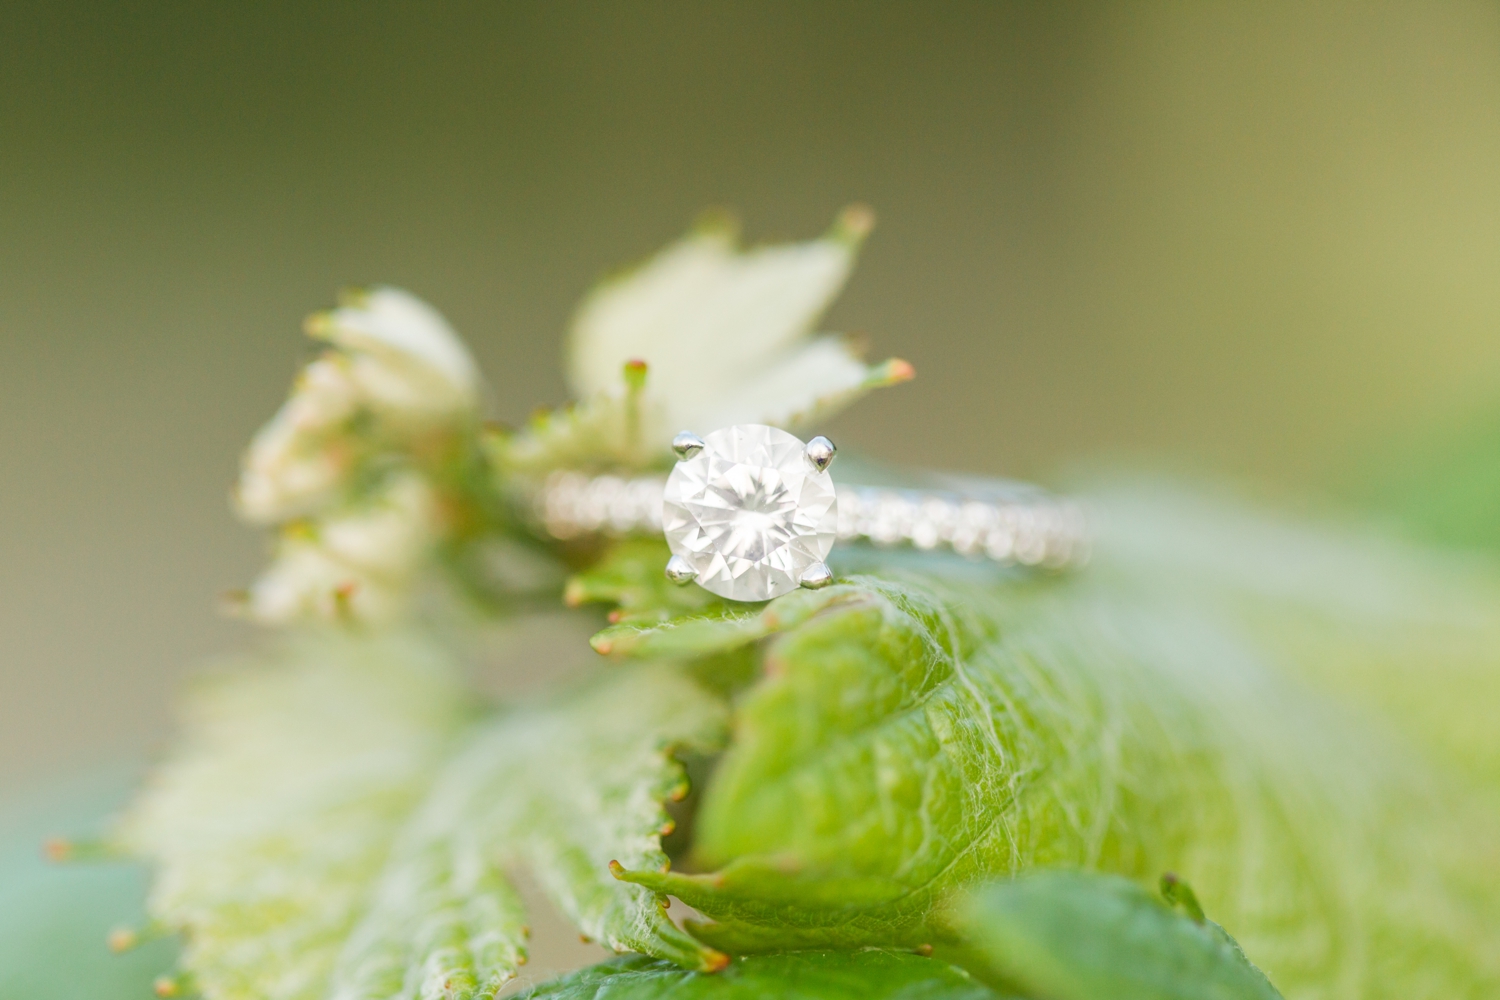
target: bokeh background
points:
(1259, 240)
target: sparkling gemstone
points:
(750, 513)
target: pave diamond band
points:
(1030, 531)
(1039, 530)
(750, 512)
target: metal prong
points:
(686, 444)
(817, 577)
(680, 571)
(820, 452)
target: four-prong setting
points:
(686, 444)
(680, 571)
(750, 511)
(816, 577)
(820, 452)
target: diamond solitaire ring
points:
(751, 512)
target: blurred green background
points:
(1256, 240)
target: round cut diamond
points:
(750, 513)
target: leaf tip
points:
(714, 961)
(318, 325)
(616, 869)
(354, 296)
(167, 986)
(635, 374)
(853, 224)
(61, 850)
(122, 939)
(575, 593)
(1179, 894)
(718, 223)
(235, 603)
(892, 371)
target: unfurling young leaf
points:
(707, 335)
(372, 470)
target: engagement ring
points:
(751, 512)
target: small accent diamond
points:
(750, 513)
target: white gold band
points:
(1008, 523)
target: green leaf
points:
(597, 434)
(1073, 936)
(1406, 636)
(652, 631)
(859, 975)
(1439, 479)
(913, 736)
(443, 921)
(273, 819)
(565, 789)
(630, 576)
(336, 824)
(575, 788)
